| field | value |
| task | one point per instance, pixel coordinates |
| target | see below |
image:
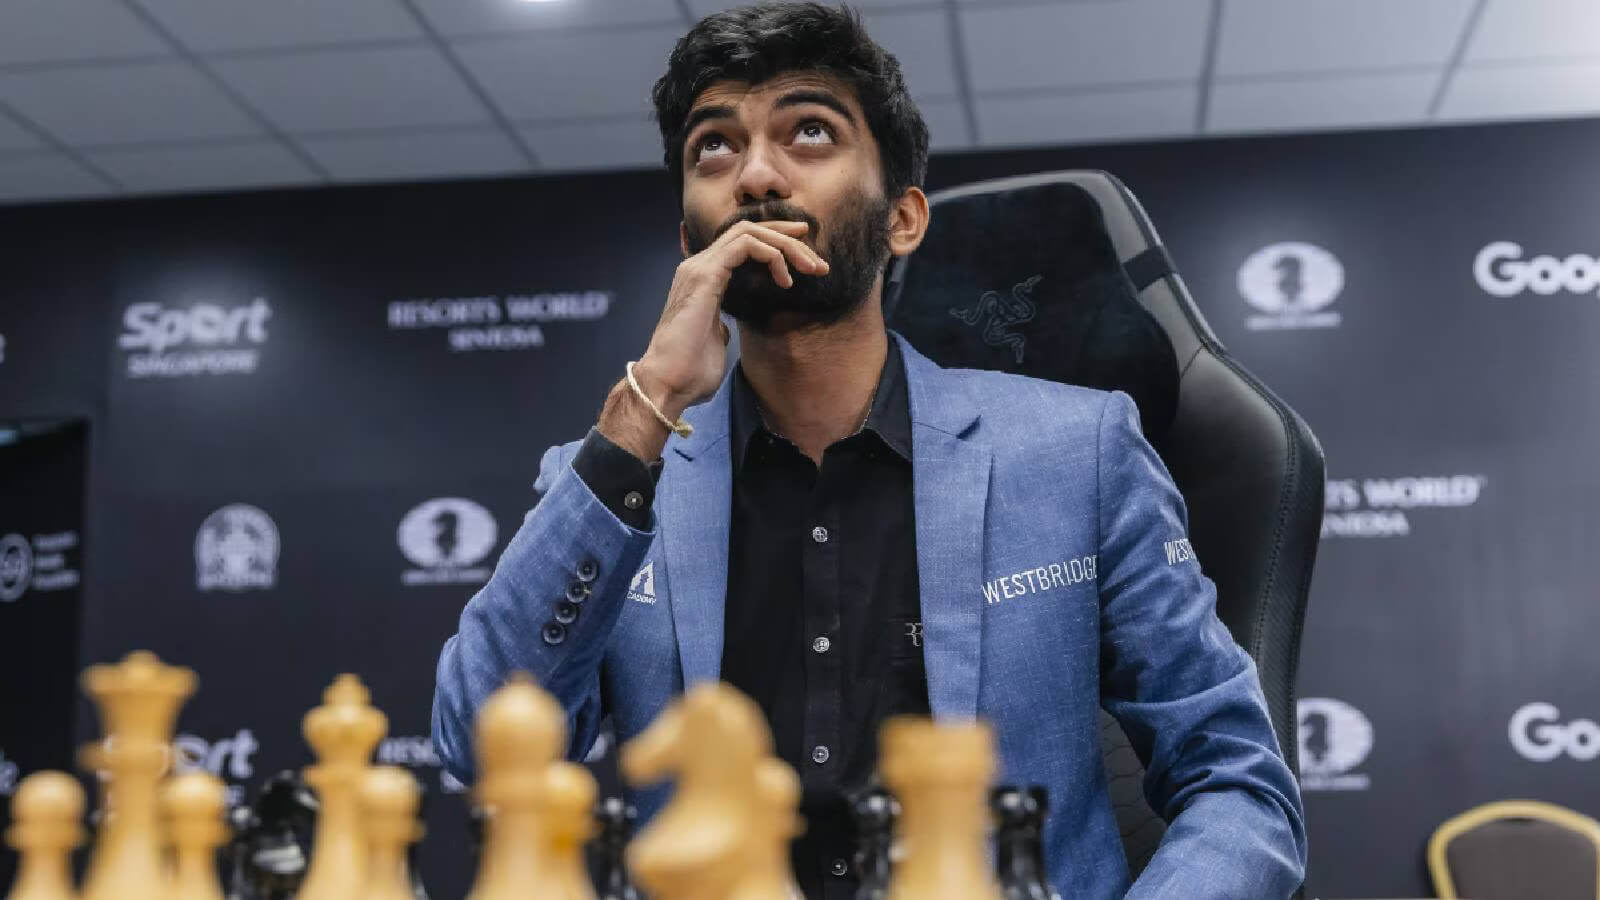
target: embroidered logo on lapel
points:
(642, 589)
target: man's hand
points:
(684, 362)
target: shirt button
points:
(821, 645)
(819, 534)
(633, 500)
(819, 754)
(839, 867)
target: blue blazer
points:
(1056, 578)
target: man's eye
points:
(712, 143)
(814, 129)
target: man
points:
(850, 531)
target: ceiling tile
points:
(599, 145)
(15, 137)
(46, 176)
(44, 30)
(707, 7)
(1525, 29)
(1073, 44)
(1510, 92)
(427, 154)
(198, 167)
(1274, 36)
(123, 104)
(947, 123)
(389, 87)
(208, 26)
(478, 17)
(921, 42)
(556, 76)
(1081, 117)
(1345, 101)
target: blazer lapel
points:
(694, 504)
(950, 473)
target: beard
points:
(856, 249)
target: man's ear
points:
(683, 238)
(908, 221)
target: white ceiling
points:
(114, 97)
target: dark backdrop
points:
(273, 387)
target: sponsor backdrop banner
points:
(316, 417)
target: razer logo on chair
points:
(998, 314)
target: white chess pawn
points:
(45, 813)
(194, 804)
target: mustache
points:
(775, 210)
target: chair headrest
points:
(1024, 278)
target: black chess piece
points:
(875, 811)
(271, 844)
(616, 818)
(1019, 842)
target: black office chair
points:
(1060, 275)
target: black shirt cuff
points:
(623, 482)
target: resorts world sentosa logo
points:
(1335, 739)
(1291, 284)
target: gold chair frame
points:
(1460, 824)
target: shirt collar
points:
(889, 418)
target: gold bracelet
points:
(680, 428)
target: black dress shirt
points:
(822, 623)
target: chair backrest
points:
(1517, 850)
(1061, 275)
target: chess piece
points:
(193, 804)
(726, 830)
(1019, 843)
(418, 890)
(528, 799)
(45, 812)
(343, 732)
(875, 811)
(390, 798)
(138, 700)
(272, 839)
(616, 818)
(939, 773)
(566, 809)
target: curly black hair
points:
(755, 43)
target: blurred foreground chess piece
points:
(616, 818)
(272, 839)
(537, 809)
(940, 772)
(726, 831)
(343, 732)
(875, 811)
(45, 812)
(390, 798)
(193, 805)
(1019, 842)
(138, 700)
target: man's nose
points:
(762, 177)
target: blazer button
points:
(588, 571)
(577, 591)
(554, 633)
(566, 613)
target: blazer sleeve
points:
(570, 548)
(1185, 692)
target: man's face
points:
(794, 147)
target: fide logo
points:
(16, 567)
(236, 550)
(1291, 284)
(1335, 738)
(446, 538)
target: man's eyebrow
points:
(793, 98)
